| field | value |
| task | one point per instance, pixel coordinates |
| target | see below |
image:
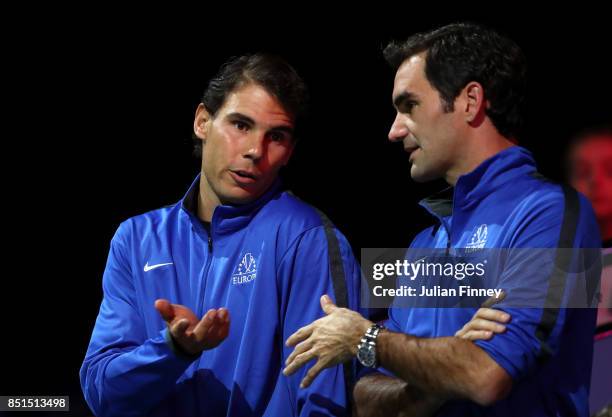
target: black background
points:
(99, 124)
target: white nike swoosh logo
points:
(148, 267)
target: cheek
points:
(220, 150)
(279, 156)
(210, 155)
(435, 133)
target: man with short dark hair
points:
(458, 93)
(199, 296)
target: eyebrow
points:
(246, 119)
(403, 97)
(241, 117)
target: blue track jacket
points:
(267, 262)
(504, 203)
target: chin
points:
(419, 176)
(240, 196)
(238, 200)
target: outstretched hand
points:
(191, 334)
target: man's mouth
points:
(242, 176)
(411, 150)
(245, 174)
(410, 145)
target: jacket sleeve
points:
(124, 372)
(535, 276)
(306, 269)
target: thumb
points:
(165, 309)
(327, 304)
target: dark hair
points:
(270, 72)
(462, 52)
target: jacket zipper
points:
(204, 278)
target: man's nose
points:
(254, 146)
(398, 129)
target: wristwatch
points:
(366, 350)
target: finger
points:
(223, 331)
(480, 324)
(217, 323)
(201, 329)
(300, 335)
(312, 373)
(491, 301)
(214, 328)
(225, 324)
(165, 309)
(221, 325)
(460, 332)
(477, 335)
(327, 304)
(223, 314)
(493, 315)
(298, 362)
(300, 348)
(178, 329)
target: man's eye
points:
(277, 136)
(241, 125)
(407, 107)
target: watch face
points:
(367, 357)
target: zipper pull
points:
(210, 245)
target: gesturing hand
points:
(332, 339)
(191, 335)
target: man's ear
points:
(202, 122)
(475, 103)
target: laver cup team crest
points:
(246, 271)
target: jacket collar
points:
(227, 218)
(489, 176)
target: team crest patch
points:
(478, 238)
(246, 271)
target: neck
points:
(476, 149)
(207, 200)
